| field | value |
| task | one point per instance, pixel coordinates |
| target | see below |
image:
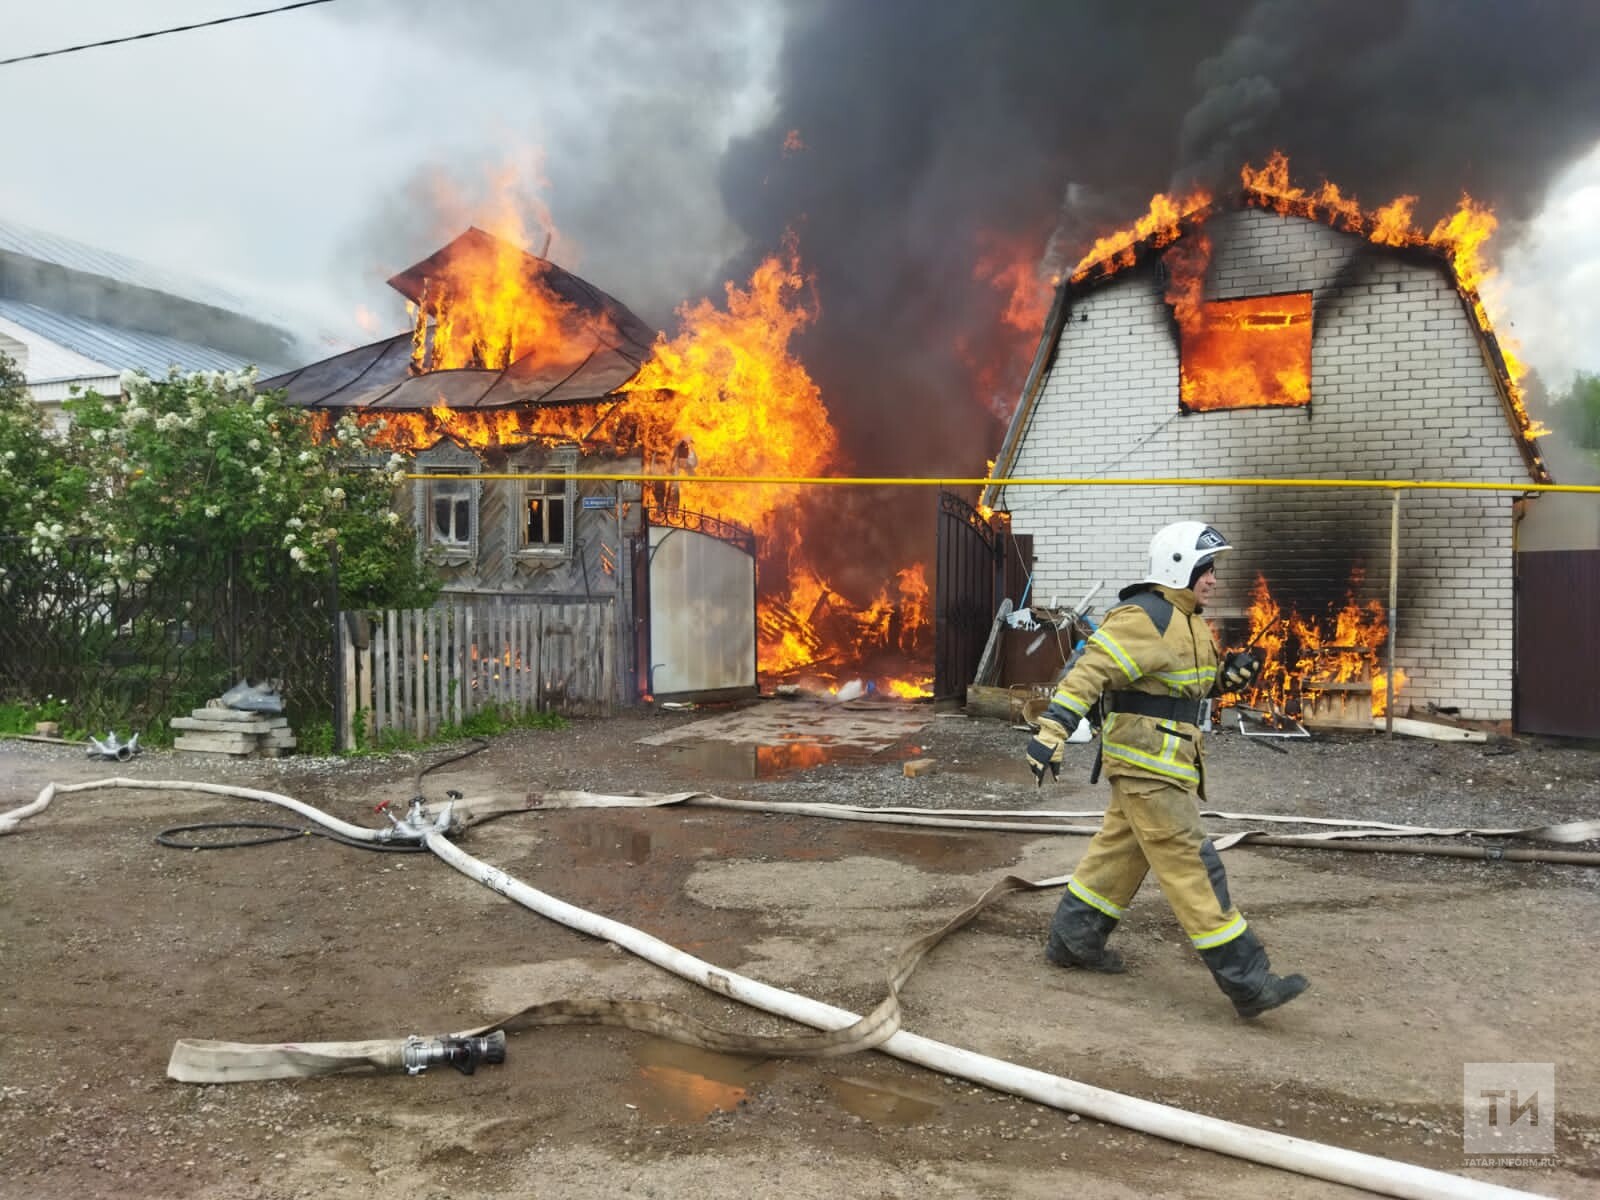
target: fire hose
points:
(842, 1031)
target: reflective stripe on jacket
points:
(1129, 652)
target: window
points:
(1251, 353)
(450, 507)
(447, 509)
(544, 514)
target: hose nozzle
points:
(462, 1053)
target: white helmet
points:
(1179, 549)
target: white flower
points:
(305, 456)
(288, 539)
(295, 523)
(254, 443)
(213, 511)
(334, 494)
(258, 471)
(392, 517)
(297, 553)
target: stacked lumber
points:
(233, 731)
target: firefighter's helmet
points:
(1181, 549)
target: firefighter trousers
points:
(1150, 825)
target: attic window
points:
(1251, 353)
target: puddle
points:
(596, 842)
(679, 1084)
(745, 760)
(881, 1105)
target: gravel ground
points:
(112, 948)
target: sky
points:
(300, 159)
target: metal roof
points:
(76, 256)
(122, 349)
(613, 342)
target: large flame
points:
(1343, 645)
(725, 396)
(1461, 237)
(1158, 227)
(730, 388)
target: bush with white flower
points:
(205, 459)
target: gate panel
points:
(966, 594)
(1558, 643)
(702, 615)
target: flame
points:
(1158, 227)
(1342, 645)
(487, 310)
(1016, 274)
(1461, 237)
(729, 387)
(726, 396)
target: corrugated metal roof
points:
(123, 349)
(76, 256)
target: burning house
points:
(1290, 335)
(517, 368)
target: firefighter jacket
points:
(1152, 645)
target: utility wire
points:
(265, 12)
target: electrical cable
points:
(135, 37)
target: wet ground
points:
(113, 947)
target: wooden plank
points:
(469, 662)
(608, 655)
(379, 712)
(390, 649)
(369, 718)
(458, 674)
(347, 655)
(413, 674)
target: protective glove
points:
(1239, 668)
(1044, 749)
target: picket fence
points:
(420, 669)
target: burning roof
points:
(494, 327)
(1455, 244)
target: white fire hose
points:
(1381, 1175)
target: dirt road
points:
(112, 947)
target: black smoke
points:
(929, 126)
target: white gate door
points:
(702, 615)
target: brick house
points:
(1402, 382)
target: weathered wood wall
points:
(420, 670)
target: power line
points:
(265, 12)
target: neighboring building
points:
(74, 316)
(1378, 366)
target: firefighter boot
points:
(1078, 936)
(1241, 970)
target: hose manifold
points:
(462, 1053)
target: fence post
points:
(340, 741)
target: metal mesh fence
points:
(126, 643)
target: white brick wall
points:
(1399, 390)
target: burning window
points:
(1252, 353)
(545, 514)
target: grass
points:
(486, 722)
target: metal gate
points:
(967, 588)
(1558, 643)
(695, 600)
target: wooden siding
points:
(419, 670)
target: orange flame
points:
(1340, 646)
(1158, 227)
(1461, 238)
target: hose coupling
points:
(462, 1053)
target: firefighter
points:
(1149, 671)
